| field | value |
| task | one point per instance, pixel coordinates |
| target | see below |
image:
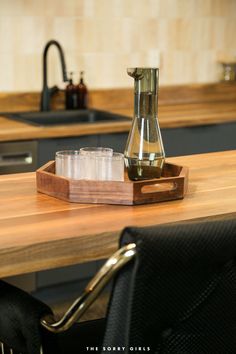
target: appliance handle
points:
(16, 158)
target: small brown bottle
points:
(82, 93)
(71, 94)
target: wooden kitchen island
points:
(39, 232)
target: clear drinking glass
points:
(98, 151)
(67, 164)
(90, 163)
(117, 167)
(93, 162)
(109, 168)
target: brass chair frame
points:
(89, 295)
(92, 290)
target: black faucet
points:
(48, 92)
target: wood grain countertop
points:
(184, 115)
(40, 232)
(179, 106)
(12, 130)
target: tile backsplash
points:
(185, 38)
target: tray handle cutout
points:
(158, 187)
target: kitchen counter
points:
(40, 232)
(12, 130)
(179, 106)
(183, 115)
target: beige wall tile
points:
(7, 35)
(29, 35)
(65, 31)
(30, 73)
(230, 35)
(11, 8)
(185, 38)
(64, 8)
(203, 7)
(7, 72)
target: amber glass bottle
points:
(71, 94)
(82, 93)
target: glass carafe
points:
(144, 152)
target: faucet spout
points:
(46, 91)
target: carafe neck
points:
(145, 91)
(145, 105)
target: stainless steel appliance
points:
(18, 156)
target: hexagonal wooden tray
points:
(172, 185)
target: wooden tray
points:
(172, 185)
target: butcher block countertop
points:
(12, 130)
(179, 106)
(40, 232)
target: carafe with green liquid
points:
(144, 152)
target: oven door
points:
(20, 156)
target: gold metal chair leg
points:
(10, 349)
(91, 292)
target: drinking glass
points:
(117, 167)
(97, 151)
(93, 162)
(67, 164)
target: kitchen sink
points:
(66, 117)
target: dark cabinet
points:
(116, 141)
(48, 147)
(199, 139)
(177, 141)
(184, 141)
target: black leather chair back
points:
(179, 294)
